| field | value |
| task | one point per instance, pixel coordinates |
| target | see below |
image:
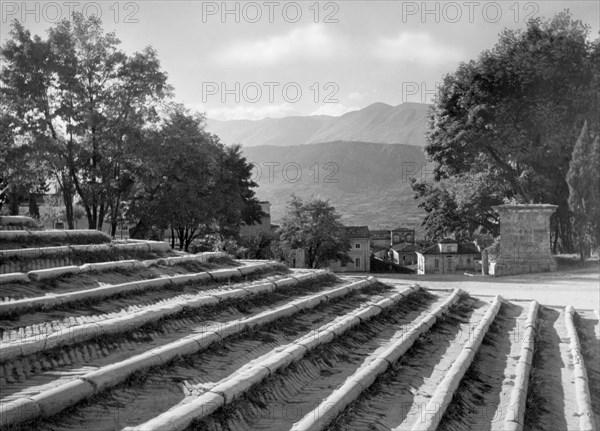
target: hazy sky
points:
(280, 58)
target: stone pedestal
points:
(524, 240)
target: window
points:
(343, 264)
(468, 260)
(437, 263)
(357, 262)
(357, 245)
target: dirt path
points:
(578, 287)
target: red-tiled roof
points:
(462, 249)
(357, 231)
(403, 229)
(448, 241)
(406, 247)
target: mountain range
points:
(368, 183)
(378, 123)
(361, 161)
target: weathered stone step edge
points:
(49, 301)
(444, 392)
(230, 388)
(63, 249)
(49, 273)
(515, 415)
(39, 258)
(339, 399)
(80, 333)
(53, 401)
(18, 234)
(582, 391)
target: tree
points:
(584, 190)
(83, 101)
(187, 181)
(175, 176)
(461, 205)
(22, 171)
(315, 227)
(514, 114)
(234, 184)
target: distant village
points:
(371, 250)
(388, 250)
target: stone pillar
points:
(524, 239)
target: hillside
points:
(368, 183)
(379, 123)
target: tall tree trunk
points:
(34, 210)
(13, 202)
(100, 220)
(114, 215)
(67, 191)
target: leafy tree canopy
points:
(584, 189)
(315, 227)
(503, 126)
(185, 179)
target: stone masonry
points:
(524, 240)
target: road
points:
(577, 287)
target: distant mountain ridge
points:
(368, 183)
(377, 123)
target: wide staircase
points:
(102, 335)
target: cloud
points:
(251, 112)
(334, 109)
(355, 95)
(419, 48)
(304, 43)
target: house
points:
(402, 234)
(380, 239)
(360, 251)
(405, 253)
(256, 229)
(402, 254)
(388, 237)
(447, 257)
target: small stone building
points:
(405, 254)
(447, 257)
